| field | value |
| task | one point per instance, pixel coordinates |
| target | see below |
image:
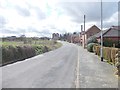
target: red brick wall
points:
(92, 31)
(111, 38)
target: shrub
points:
(14, 53)
(92, 40)
(30, 50)
(90, 47)
(38, 49)
(46, 49)
(54, 42)
(110, 43)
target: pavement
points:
(69, 66)
(94, 73)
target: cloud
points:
(113, 20)
(23, 11)
(40, 14)
(8, 31)
(42, 18)
(91, 9)
(3, 21)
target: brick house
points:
(75, 38)
(112, 34)
(90, 32)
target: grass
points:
(51, 44)
(37, 42)
(13, 43)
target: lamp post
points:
(84, 32)
(101, 51)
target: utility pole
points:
(84, 32)
(81, 28)
(71, 38)
(81, 35)
(101, 33)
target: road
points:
(67, 67)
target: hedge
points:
(12, 54)
(108, 53)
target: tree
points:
(92, 39)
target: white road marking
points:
(77, 83)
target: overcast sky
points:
(36, 18)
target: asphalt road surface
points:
(67, 67)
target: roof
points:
(94, 26)
(111, 32)
(99, 34)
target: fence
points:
(109, 53)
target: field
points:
(13, 51)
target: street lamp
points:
(84, 31)
(101, 51)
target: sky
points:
(41, 18)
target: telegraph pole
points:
(71, 38)
(81, 28)
(101, 33)
(81, 35)
(84, 32)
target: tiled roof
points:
(99, 34)
(94, 26)
(114, 31)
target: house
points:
(110, 34)
(75, 38)
(87, 34)
(55, 36)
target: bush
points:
(14, 53)
(46, 49)
(38, 49)
(54, 42)
(110, 43)
(92, 40)
(90, 47)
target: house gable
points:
(92, 31)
